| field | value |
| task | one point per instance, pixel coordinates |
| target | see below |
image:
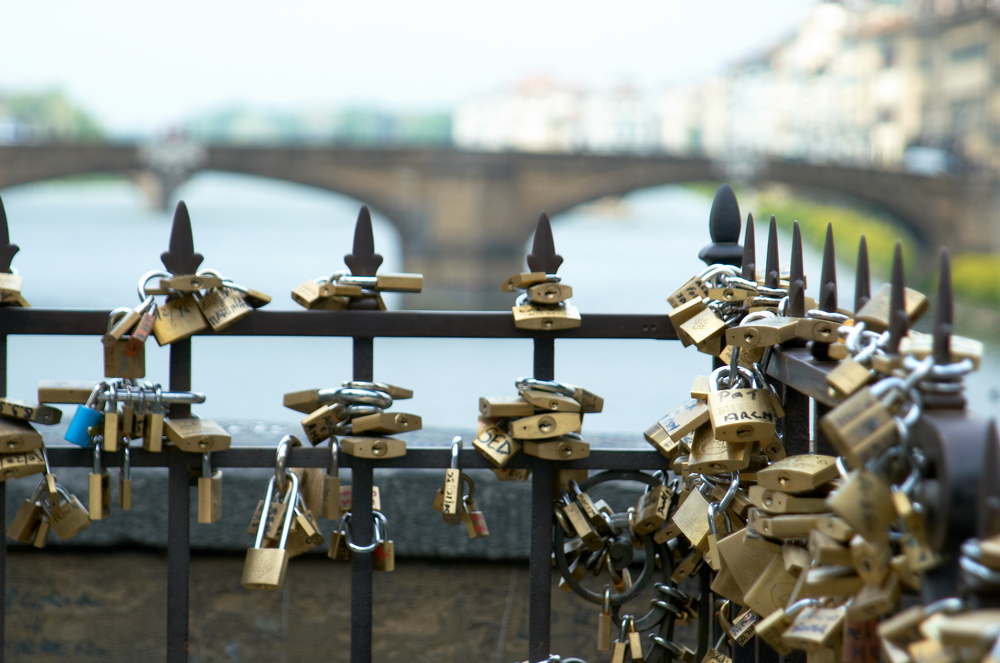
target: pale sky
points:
(141, 66)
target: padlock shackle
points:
(206, 464)
(456, 447)
(98, 441)
(146, 278)
(334, 468)
(352, 396)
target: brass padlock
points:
(196, 435)
(604, 621)
(322, 423)
(67, 518)
(65, 391)
(209, 492)
(746, 563)
(704, 327)
(331, 483)
(682, 314)
(694, 289)
(386, 423)
(38, 413)
(875, 314)
(304, 534)
(549, 293)
(685, 418)
(542, 426)
(384, 555)
(798, 474)
(690, 518)
(861, 427)
(496, 445)
(178, 319)
(264, 568)
(117, 362)
(505, 407)
(475, 521)
(306, 401)
(566, 447)
(222, 307)
(652, 509)
(373, 447)
(100, 486)
(546, 318)
(451, 492)
(740, 415)
(17, 435)
(776, 501)
(763, 333)
(29, 515)
(848, 377)
(712, 456)
(152, 437)
(864, 502)
(125, 481)
(771, 590)
(523, 281)
(815, 629)
(17, 465)
(548, 401)
(10, 289)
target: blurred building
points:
(540, 115)
(858, 83)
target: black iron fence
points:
(956, 441)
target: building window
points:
(971, 52)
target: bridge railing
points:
(797, 375)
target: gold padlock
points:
(17, 435)
(740, 415)
(682, 314)
(549, 293)
(875, 314)
(177, 320)
(264, 568)
(865, 503)
(861, 427)
(496, 445)
(373, 447)
(542, 426)
(196, 435)
(712, 456)
(382, 423)
(505, 407)
(561, 448)
(546, 318)
(798, 474)
(38, 413)
(223, 307)
(17, 465)
(209, 492)
(694, 289)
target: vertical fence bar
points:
(362, 529)
(3, 504)
(540, 562)
(796, 429)
(822, 444)
(178, 517)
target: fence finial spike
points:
(862, 280)
(181, 257)
(543, 256)
(363, 261)
(796, 277)
(828, 275)
(7, 250)
(772, 270)
(724, 225)
(944, 316)
(899, 323)
(749, 264)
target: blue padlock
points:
(86, 417)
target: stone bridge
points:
(464, 216)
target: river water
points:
(85, 244)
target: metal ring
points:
(350, 396)
(669, 607)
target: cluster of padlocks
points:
(815, 552)
(544, 420)
(809, 552)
